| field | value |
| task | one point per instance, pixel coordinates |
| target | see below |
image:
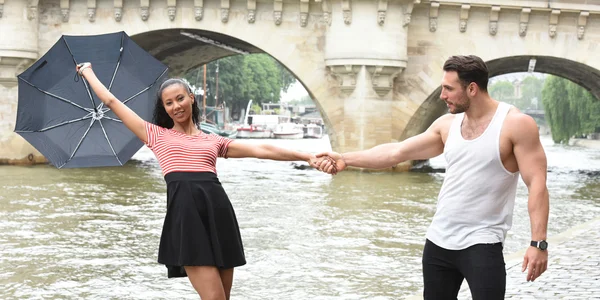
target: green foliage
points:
(585, 108)
(502, 90)
(256, 108)
(531, 88)
(570, 109)
(287, 78)
(530, 95)
(556, 105)
(256, 77)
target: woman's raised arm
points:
(123, 112)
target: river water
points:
(94, 233)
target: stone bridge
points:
(372, 66)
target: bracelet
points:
(83, 66)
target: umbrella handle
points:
(83, 66)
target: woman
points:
(200, 237)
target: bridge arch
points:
(577, 72)
(371, 66)
(298, 46)
(184, 50)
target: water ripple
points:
(94, 233)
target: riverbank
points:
(587, 143)
(572, 268)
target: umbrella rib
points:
(113, 119)
(109, 143)
(78, 144)
(118, 63)
(104, 110)
(57, 125)
(83, 79)
(70, 52)
(112, 80)
(161, 74)
(87, 88)
(139, 93)
(57, 97)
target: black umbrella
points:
(61, 116)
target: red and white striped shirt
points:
(179, 152)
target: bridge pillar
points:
(18, 50)
(365, 52)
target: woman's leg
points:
(206, 280)
(227, 280)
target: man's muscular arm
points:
(422, 146)
(532, 164)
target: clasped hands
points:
(328, 162)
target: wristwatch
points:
(542, 245)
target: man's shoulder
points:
(441, 126)
(444, 121)
(517, 118)
(518, 123)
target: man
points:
(486, 144)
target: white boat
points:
(313, 131)
(288, 131)
(253, 132)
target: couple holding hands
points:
(487, 144)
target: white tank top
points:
(476, 201)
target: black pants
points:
(482, 265)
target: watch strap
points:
(541, 244)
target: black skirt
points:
(200, 227)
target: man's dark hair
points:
(470, 68)
(161, 118)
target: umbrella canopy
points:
(60, 115)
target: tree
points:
(531, 88)
(262, 79)
(256, 77)
(564, 122)
(570, 109)
(576, 96)
(256, 108)
(593, 121)
(287, 78)
(502, 90)
(585, 109)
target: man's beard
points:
(462, 107)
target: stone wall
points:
(373, 67)
(18, 49)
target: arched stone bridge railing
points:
(372, 66)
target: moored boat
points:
(253, 132)
(288, 131)
(313, 131)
